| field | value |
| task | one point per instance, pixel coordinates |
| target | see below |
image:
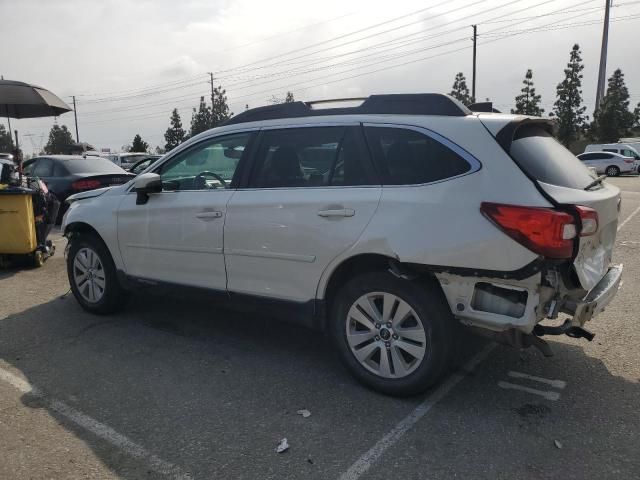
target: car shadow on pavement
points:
(213, 391)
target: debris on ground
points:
(557, 443)
(283, 446)
(304, 413)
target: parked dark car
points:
(141, 165)
(69, 174)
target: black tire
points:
(114, 297)
(427, 300)
(612, 171)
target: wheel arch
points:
(77, 228)
(83, 228)
(356, 265)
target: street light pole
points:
(602, 72)
(75, 115)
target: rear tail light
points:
(85, 184)
(544, 231)
(629, 161)
(589, 220)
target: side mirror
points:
(145, 184)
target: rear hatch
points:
(95, 172)
(565, 181)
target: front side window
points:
(308, 157)
(408, 157)
(209, 165)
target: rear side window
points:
(44, 168)
(409, 157)
(309, 157)
(544, 158)
(59, 170)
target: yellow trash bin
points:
(17, 224)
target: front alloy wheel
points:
(385, 335)
(88, 275)
(92, 275)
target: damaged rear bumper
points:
(597, 299)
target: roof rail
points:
(399, 104)
(482, 107)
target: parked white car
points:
(609, 163)
(127, 160)
(624, 149)
(387, 225)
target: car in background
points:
(66, 175)
(142, 165)
(609, 163)
(127, 160)
(624, 149)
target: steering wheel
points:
(200, 183)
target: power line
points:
(297, 72)
(346, 71)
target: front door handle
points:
(209, 215)
(340, 212)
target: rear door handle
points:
(341, 212)
(209, 215)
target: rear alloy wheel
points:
(394, 335)
(386, 335)
(612, 171)
(92, 275)
(88, 275)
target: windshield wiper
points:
(597, 181)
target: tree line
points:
(611, 121)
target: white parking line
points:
(101, 430)
(365, 461)
(628, 218)
(554, 383)
(553, 396)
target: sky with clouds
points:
(130, 62)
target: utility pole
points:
(75, 115)
(211, 82)
(602, 72)
(473, 81)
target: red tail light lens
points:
(85, 184)
(589, 220)
(629, 161)
(544, 231)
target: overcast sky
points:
(130, 62)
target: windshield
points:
(541, 156)
(95, 165)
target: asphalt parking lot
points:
(177, 388)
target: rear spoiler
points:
(506, 135)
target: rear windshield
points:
(544, 158)
(95, 165)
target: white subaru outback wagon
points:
(387, 224)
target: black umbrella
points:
(21, 100)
